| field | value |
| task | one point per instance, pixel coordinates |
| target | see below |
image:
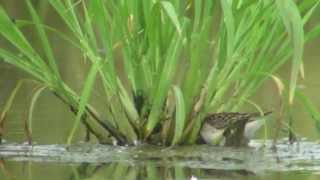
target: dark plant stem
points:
(291, 136)
(97, 122)
(2, 119)
(278, 125)
(27, 130)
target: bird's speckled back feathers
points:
(225, 119)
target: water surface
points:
(87, 161)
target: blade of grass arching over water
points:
(7, 107)
(84, 99)
(9, 102)
(34, 99)
(44, 40)
(180, 117)
(279, 84)
(294, 25)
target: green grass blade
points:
(170, 11)
(164, 84)
(21, 63)
(229, 23)
(63, 36)
(309, 13)
(84, 99)
(294, 25)
(9, 30)
(9, 102)
(180, 117)
(67, 14)
(89, 29)
(197, 14)
(34, 99)
(128, 104)
(315, 32)
(44, 40)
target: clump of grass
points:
(182, 60)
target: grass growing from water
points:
(182, 60)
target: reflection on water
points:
(116, 171)
(125, 171)
(87, 161)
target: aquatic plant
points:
(182, 60)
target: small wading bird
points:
(231, 128)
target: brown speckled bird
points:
(231, 128)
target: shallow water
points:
(87, 161)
